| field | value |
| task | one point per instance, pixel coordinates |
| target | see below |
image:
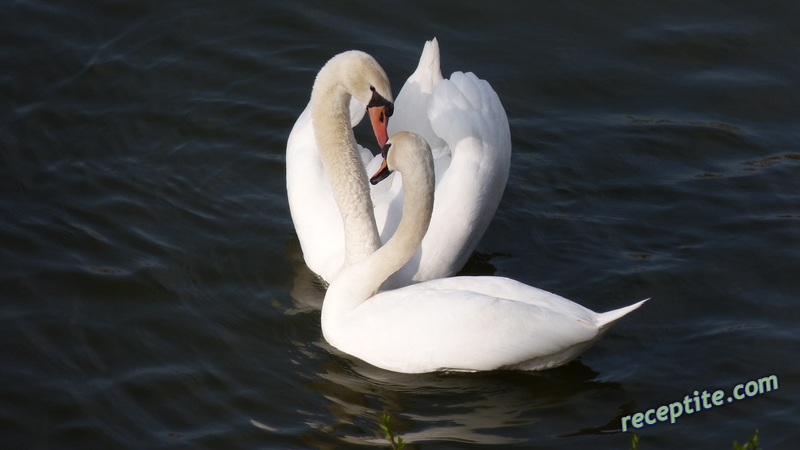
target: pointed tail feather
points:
(607, 319)
(429, 71)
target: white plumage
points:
(463, 120)
(461, 323)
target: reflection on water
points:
(465, 407)
(308, 289)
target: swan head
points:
(363, 78)
(405, 151)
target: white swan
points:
(463, 119)
(461, 323)
(323, 132)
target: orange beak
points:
(379, 120)
(381, 174)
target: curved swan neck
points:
(417, 211)
(360, 281)
(330, 112)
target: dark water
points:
(152, 293)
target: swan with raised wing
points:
(460, 323)
(462, 117)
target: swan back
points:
(470, 324)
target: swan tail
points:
(429, 70)
(607, 319)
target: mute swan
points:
(465, 122)
(461, 323)
(323, 132)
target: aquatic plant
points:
(751, 444)
(390, 436)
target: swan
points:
(461, 117)
(454, 324)
(323, 133)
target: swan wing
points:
(470, 324)
(424, 328)
(466, 126)
(314, 212)
(521, 292)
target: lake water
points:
(153, 294)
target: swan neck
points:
(330, 111)
(417, 212)
(361, 281)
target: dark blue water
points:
(152, 293)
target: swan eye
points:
(378, 100)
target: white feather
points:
(467, 128)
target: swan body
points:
(464, 121)
(461, 323)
